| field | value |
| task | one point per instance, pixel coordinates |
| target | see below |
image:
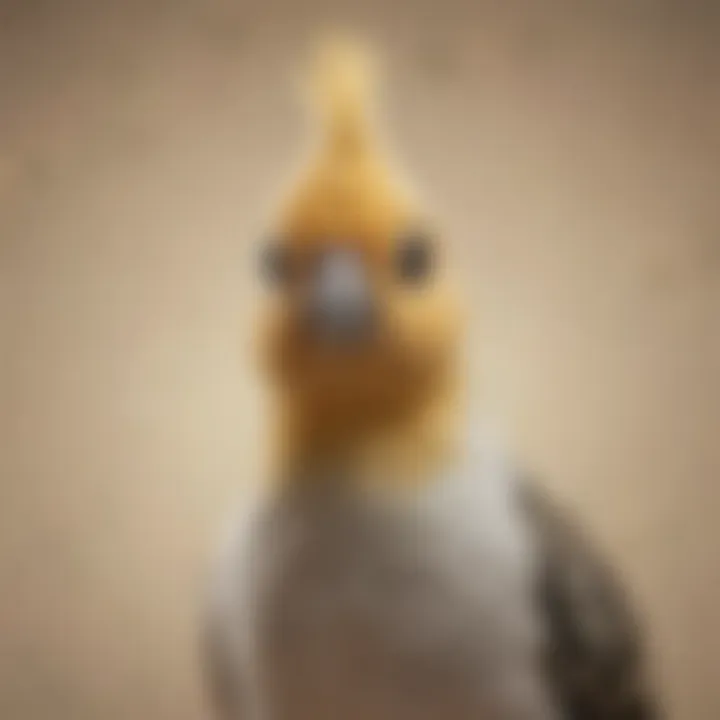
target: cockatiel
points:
(394, 566)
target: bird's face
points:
(360, 310)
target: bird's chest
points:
(385, 610)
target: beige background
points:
(573, 151)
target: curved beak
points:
(340, 307)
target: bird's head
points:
(361, 324)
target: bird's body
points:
(393, 567)
(329, 603)
(334, 602)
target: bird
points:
(395, 562)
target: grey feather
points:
(334, 604)
(595, 660)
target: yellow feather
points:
(343, 82)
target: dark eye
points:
(414, 260)
(275, 263)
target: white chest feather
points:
(416, 606)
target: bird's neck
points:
(404, 439)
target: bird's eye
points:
(414, 260)
(275, 263)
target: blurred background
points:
(572, 151)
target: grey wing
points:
(594, 652)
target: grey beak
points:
(340, 308)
